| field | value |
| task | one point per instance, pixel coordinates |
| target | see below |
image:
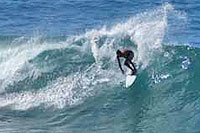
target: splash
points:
(143, 33)
(14, 61)
(146, 32)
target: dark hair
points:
(118, 52)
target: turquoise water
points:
(59, 73)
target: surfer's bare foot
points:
(133, 73)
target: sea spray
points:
(85, 62)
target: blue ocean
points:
(59, 73)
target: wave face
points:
(75, 85)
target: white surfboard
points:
(130, 79)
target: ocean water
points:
(59, 74)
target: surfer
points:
(128, 55)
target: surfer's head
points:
(119, 53)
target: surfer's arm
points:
(120, 66)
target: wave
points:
(36, 72)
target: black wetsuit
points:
(128, 55)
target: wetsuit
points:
(128, 55)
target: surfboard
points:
(130, 79)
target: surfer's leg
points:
(127, 63)
(135, 70)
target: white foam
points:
(185, 63)
(159, 77)
(146, 30)
(64, 91)
(14, 60)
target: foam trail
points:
(64, 91)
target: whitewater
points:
(73, 83)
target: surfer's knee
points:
(126, 62)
